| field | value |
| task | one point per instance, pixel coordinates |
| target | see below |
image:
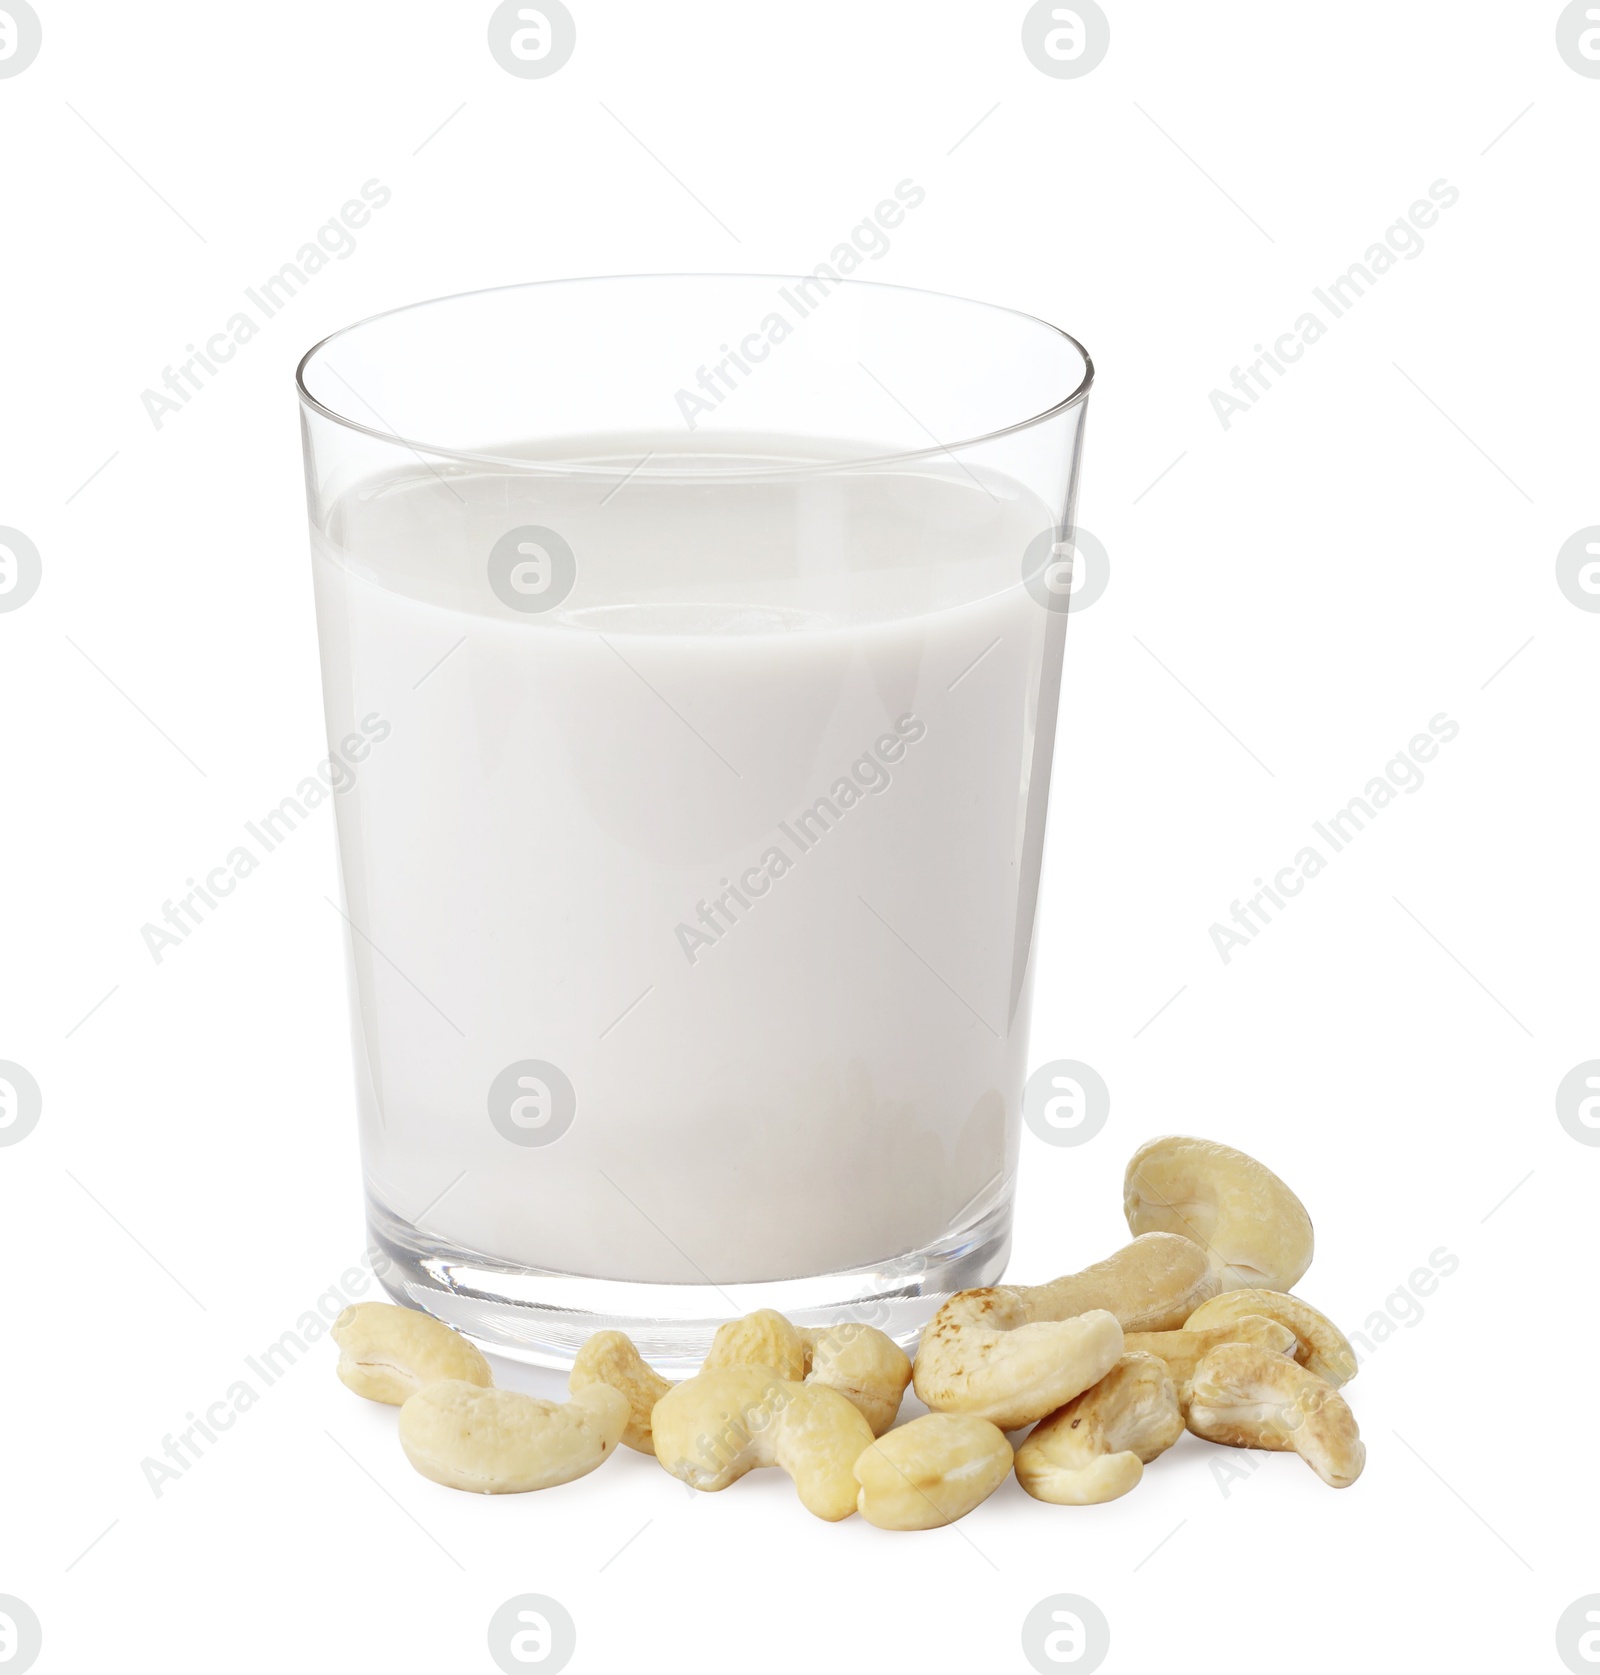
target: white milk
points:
(546, 858)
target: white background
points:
(1290, 602)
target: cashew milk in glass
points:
(729, 835)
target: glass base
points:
(543, 1318)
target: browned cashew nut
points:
(1096, 1447)
(1011, 1354)
(1183, 1351)
(1254, 1229)
(1320, 1346)
(1247, 1397)
(984, 1357)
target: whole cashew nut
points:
(1151, 1285)
(387, 1353)
(1254, 1229)
(867, 1367)
(611, 1358)
(501, 1442)
(1320, 1348)
(713, 1428)
(1183, 1351)
(1245, 1396)
(931, 1472)
(986, 1356)
(1096, 1447)
(1012, 1354)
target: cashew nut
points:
(387, 1353)
(985, 1354)
(1320, 1347)
(867, 1367)
(1152, 1284)
(713, 1428)
(762, 1339)
(1254, 1229)
(1012, 1354)
(931, 1472)
(1183, 1351)
(1095, 1448)
(611, 1358)
(501, 1442)
(1248, 1397)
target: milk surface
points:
(739, 836)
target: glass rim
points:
(415, 445)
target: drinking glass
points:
(691, 653)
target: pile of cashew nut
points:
(1190, 1327)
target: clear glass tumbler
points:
(691, 650)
